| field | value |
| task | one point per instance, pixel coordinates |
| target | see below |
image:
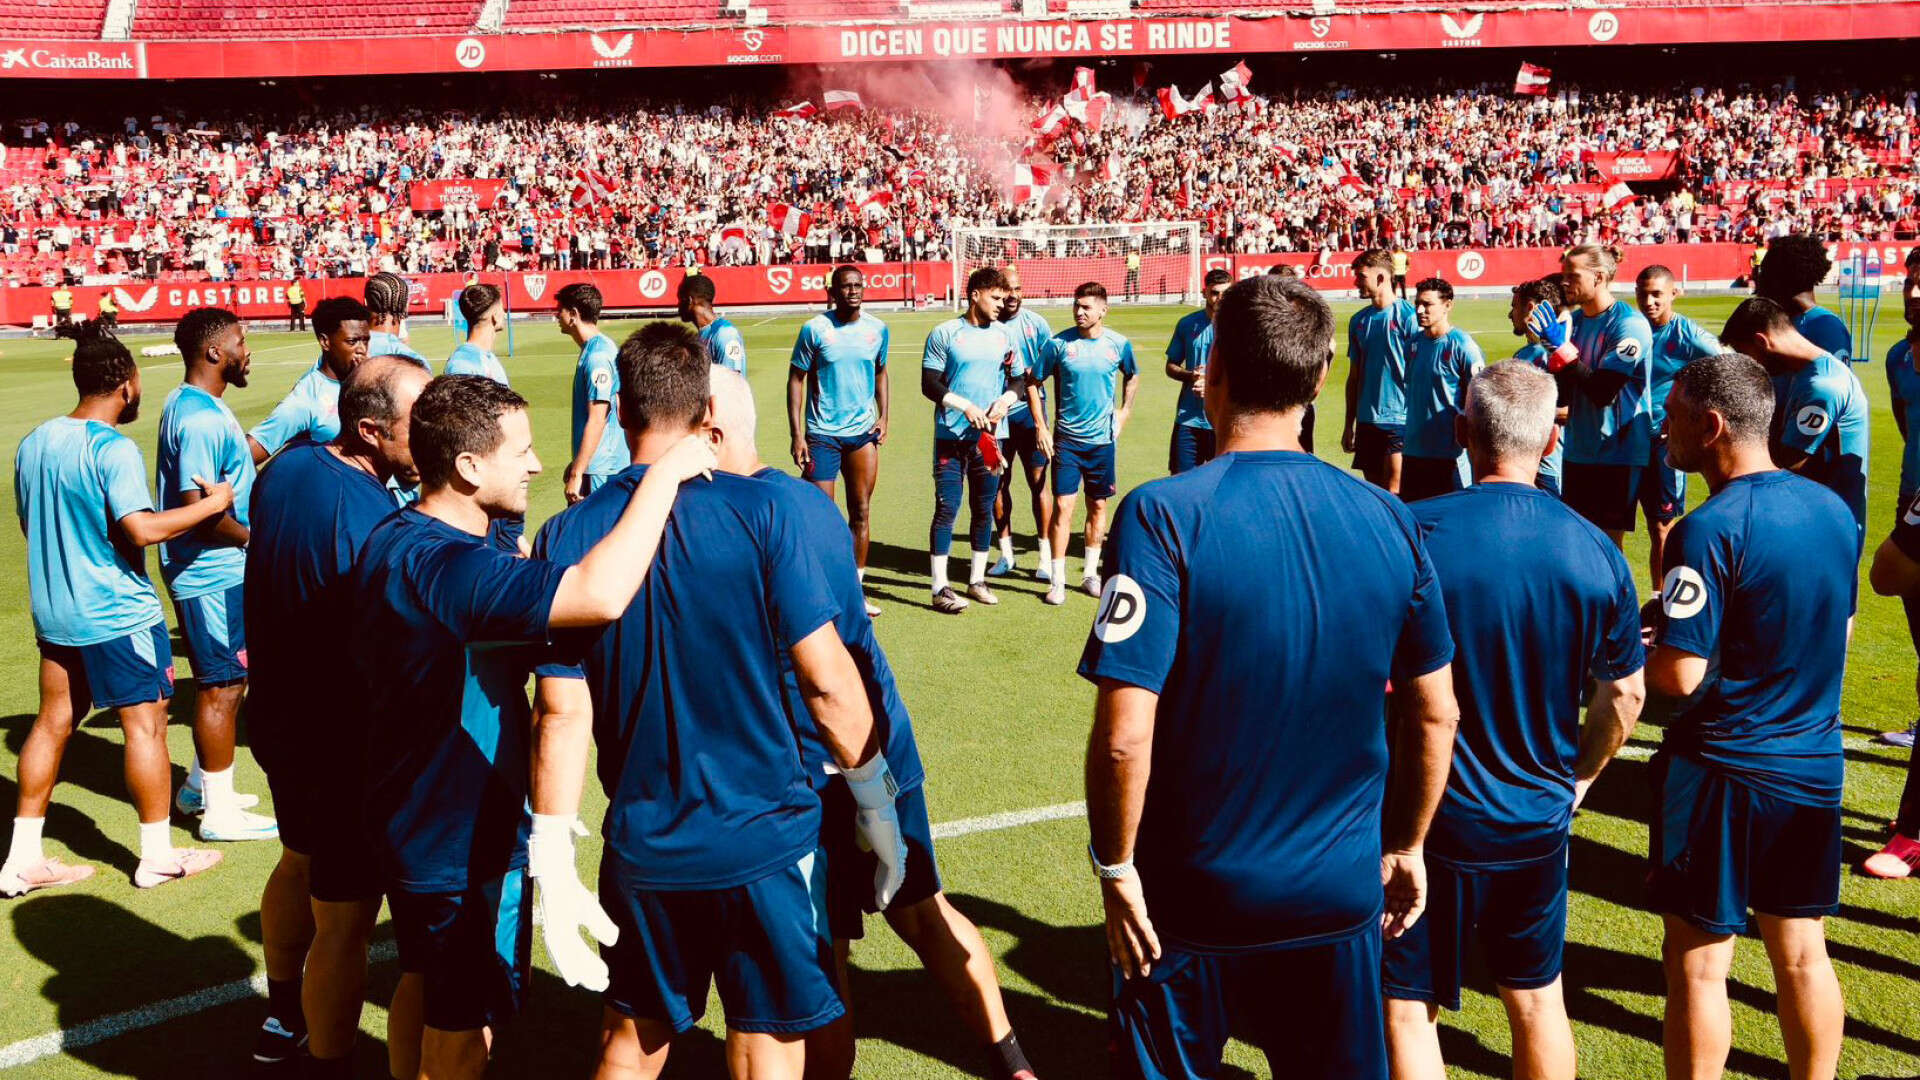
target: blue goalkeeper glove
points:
(877, 826)
(1555, 331)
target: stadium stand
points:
(52, 18)
(555, 14)
(1328, 169)
(192, 19)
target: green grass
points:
(1002, 722)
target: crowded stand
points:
(575, 182)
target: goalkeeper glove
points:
(564, 906)
(1555, 331)
(878, 826)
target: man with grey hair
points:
(1539, 601)
(1760, 590)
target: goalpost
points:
(1139, 262)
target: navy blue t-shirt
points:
(1538, 601)
(826, 533)
(697, 755)
(311, 513)
(1267, 598)
(1761, 582)
(440, 638)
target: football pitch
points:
(102, 979)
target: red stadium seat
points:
(172, 19)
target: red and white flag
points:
(877, 203)
(1233, 84)
(1533, 79)
(1617, 194)
(1173, 106)
(914, 177)
(1031, 180)
(790, 220)
(1088, 107)
(1083, 79)
(1049, 122)
(733, 236)
(842, 99)
(590, 186)
(803, 111)
(1110, 168)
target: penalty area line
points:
(113, 1026)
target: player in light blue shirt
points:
(1677, 342)
(1022, 444)
(966, 369)
(205, 570)
(1790, 275)
(722, 339)
(1085, 362)
(311, 410)
(1751, 644)
(1192, 444)
(599, 449)
(486, 316)
(388, 298)
(80, 489)
(1903, 386)
(1602, 354)
(1526, 296)
(1443, 359)
(837, 400)
(1822, 422)
(1379, 338)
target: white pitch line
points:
(1642, 753)
(113, 1026)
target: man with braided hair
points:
(387, 297)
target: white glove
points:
(877, 826)
(564, 907)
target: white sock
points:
(861, 573)
(217, 790)
(1046, 552)
(196, 777)
(977, 570)
(1006, 547)
(25, 849)
(1093, 562)
(156, 841)
(939, 572)
(1059, 571)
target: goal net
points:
(1139, 262)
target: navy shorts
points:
(1077, 462)
(765, 943)
(1603, 494)
(1373, 444)
(319, 817)
(826, 451)
(1314, 1010)
(850, 870)
(473, 948)
(214, 630)
(1517, 913)
(1023, 441)
(1423, 478)
(1663, 488)
(130, 670)
(1720, 849)
(1190, 448)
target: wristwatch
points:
(1108, 873)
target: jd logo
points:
(1604, 26)
(1811, 420)
(1683, 594)
(1123, 608)
(470, 53)
(653, 284)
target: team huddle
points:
(358, 563)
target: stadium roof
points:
(182, 39)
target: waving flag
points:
(1049, 122)
(790, 220)
(733, 236)
(591, 187)
(1173, 106)
(1233, 84)
(1031, 180)
(1087, 106)
(1533, 79)
(842, 99)
(1617, 194)
(877, 203)
(803, 111)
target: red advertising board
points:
(1637, 165)
(720, 46)
(442, 194)
(1709, 265)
